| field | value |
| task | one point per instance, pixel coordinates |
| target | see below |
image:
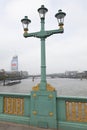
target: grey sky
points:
(67, 51)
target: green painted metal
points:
(43, 108)
(39, 111)
(62, 123)
(43, 112)
(27, 106)
(15, 119)
(61, 110)
(1, 104)
(43, 66)
(42, 34)
(71, 126)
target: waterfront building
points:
(71, 74)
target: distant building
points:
(14, 63)
(24, 74)
(71, 74)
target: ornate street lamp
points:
(42, 34)
(60, 17)
(42, 11)
(25, 22)
(43, 96)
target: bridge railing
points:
(15, 107)
(72, 113)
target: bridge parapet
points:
(15, 107)
(71, 112)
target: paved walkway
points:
(13, 126)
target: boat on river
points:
(13, 82)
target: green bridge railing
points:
(71, 112)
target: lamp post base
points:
(47, 88)
(43, 107)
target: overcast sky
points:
(67, 51)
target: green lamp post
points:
(42, 34)
(43, 96)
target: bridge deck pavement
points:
(13, 126)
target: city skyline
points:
(64, 52)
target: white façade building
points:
(14, 63)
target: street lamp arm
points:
(43, 34)
(26, 34)
(40, 34)
(51, 32)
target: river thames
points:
(64, 87)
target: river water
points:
(64, 87)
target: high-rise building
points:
(14, 63)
